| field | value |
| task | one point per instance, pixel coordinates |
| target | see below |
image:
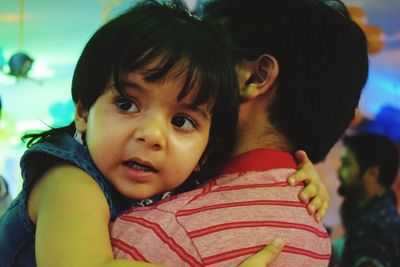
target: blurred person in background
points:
(369, 165)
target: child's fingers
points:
(298, 177)
(305, 171)
(320, 214)
(315, 193)
(301, 157)
(265, 256)
(305, 174)
(309, 192)
(314, 205)
(318, 207)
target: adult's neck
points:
(258, 133)
(255, 130)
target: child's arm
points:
(72, 219)
(315, 193)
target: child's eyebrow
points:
(132, 85)
(200, 109)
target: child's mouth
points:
(140, 167)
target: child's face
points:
(146, 142)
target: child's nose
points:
(151, 133)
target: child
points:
(155, 99)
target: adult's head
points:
(308, 57)
(163, 41)
(369, 165)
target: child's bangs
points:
(159, 64)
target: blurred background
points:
(40, 41)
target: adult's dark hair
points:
(182, 45)
(322, 57)
(375, 150)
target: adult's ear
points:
(371, 181)
(262, 74)
(372, 173)
(81, 115)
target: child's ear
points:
(263, 73)
(81, 115)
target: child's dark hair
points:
(322, 57)
(169, 34)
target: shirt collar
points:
(259, 160)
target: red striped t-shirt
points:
(227, 220)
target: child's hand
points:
(265, 256)
(315, 194)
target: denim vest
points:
(17, 232)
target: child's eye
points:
(126, 104)
(183, 123)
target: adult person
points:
(369, 165)
(301, 66)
